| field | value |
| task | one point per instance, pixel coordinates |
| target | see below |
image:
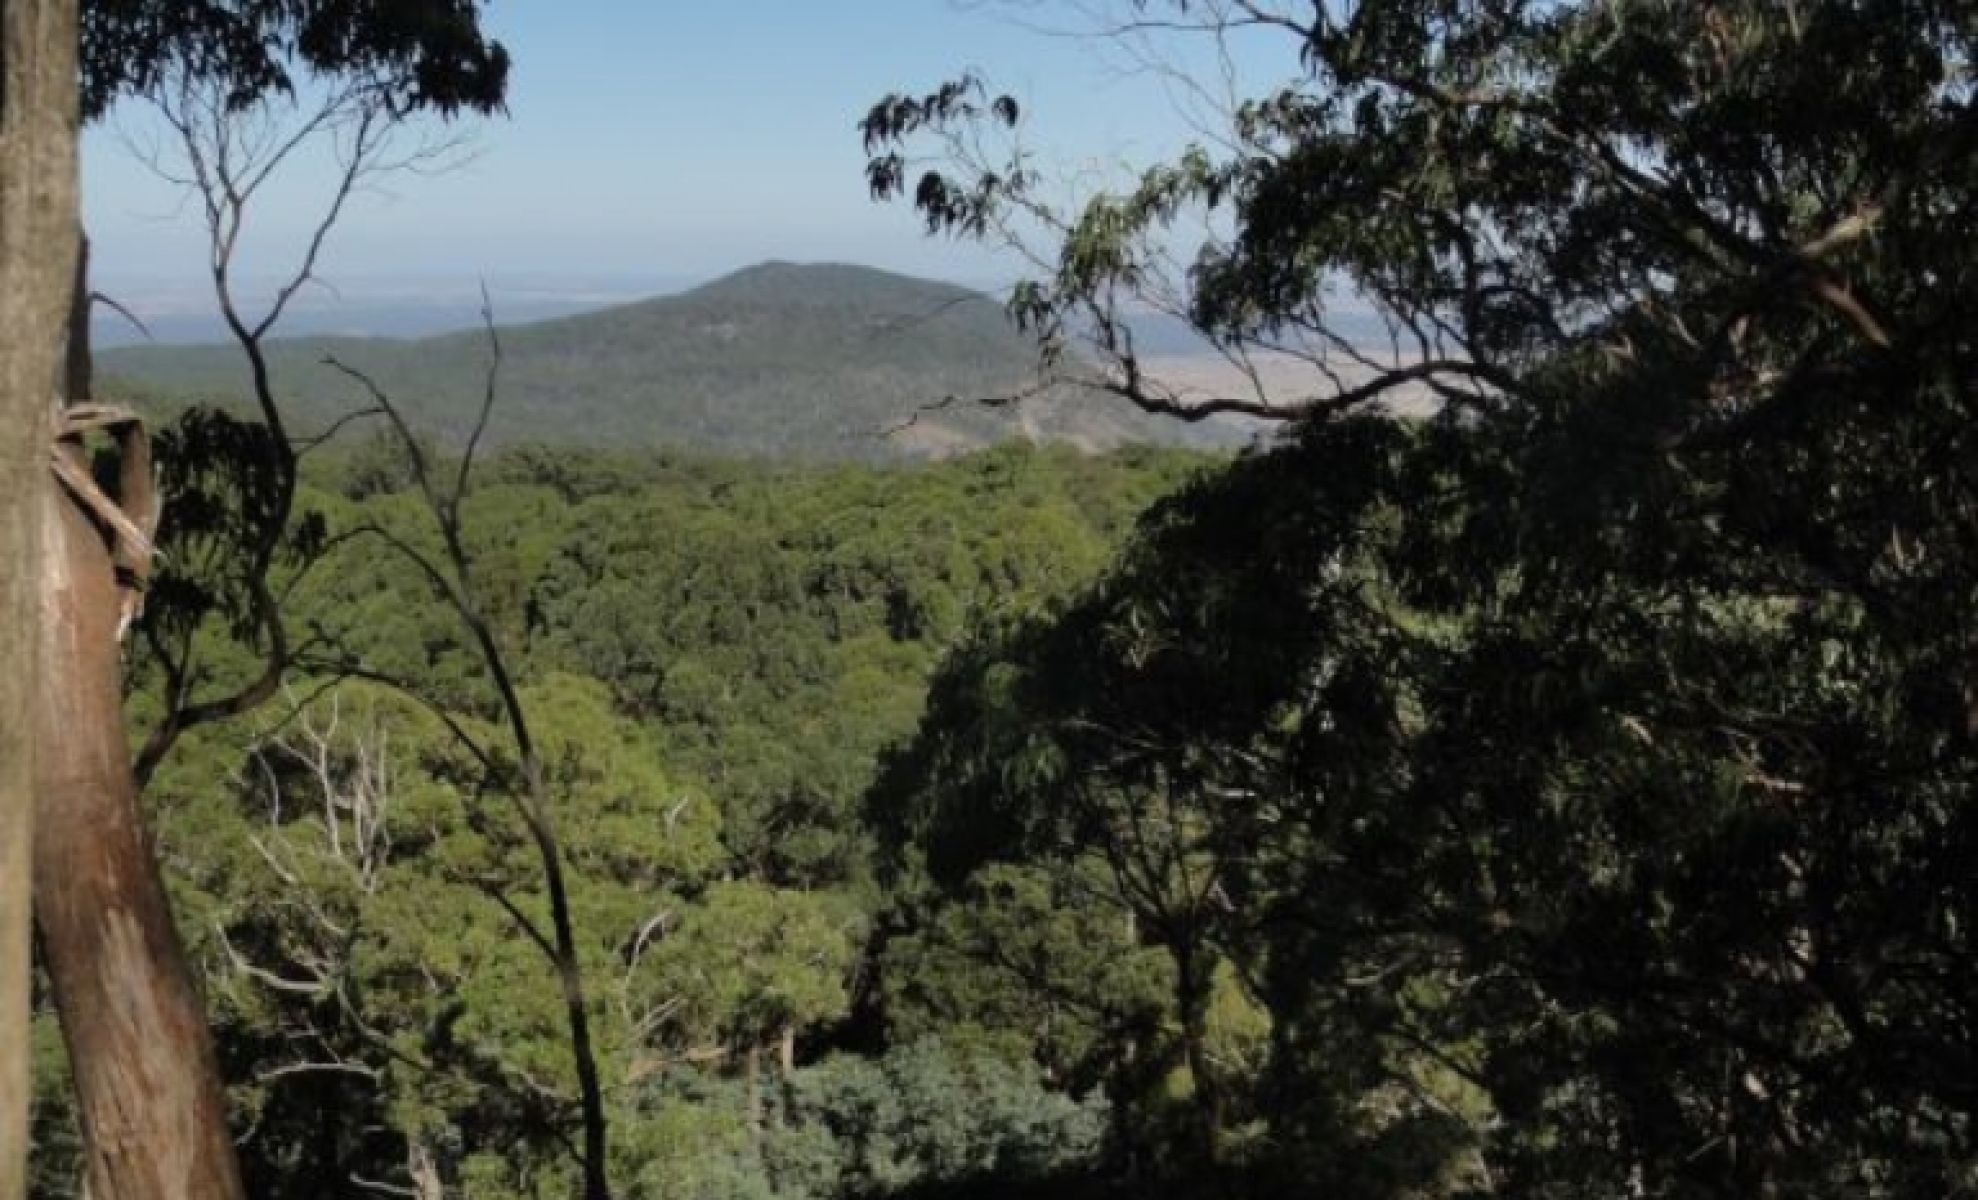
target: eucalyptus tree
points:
(1148, 749)
(148, 1088)
(37, 222)
(1683, 790)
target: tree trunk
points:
(1194, 989)
(425, 1172)
(148, 1087)
(786, 1078)
(37, 227)
(752, 1066)
(147, 1080)
(79, 358)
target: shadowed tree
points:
(1683, 780)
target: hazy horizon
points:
(601, 183)
(180, 312)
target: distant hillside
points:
(778, 359)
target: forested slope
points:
(715, 654)
(779, 359)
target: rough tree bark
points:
(37, 231)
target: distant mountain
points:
(363, 318)
(775, 360)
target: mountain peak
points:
(816, 360)
(777, 281)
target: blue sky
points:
(674, 141)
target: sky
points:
(653, 144)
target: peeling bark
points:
(147, 1079)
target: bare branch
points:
(494, 892)
(305, 445)
(226, 156)
(487, 395)
(118, 307)
(529, 793)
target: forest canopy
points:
(1545, 768)
(1580, 778)
(717, 652)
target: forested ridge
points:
(815, 361)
